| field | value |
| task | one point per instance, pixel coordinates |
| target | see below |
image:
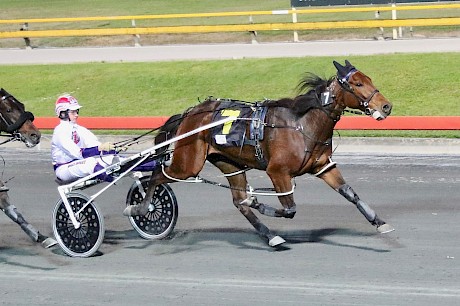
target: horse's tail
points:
(168, 130)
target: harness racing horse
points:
(297, 140)
(18, 123)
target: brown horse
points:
(18, 123)
(297, 139)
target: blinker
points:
(345, 85)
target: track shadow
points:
(14, 252)
(115, 237)
(194, 239)
(182, 241)
(320, 236)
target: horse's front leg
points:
(12, 212)
(283, 185)
(334, 178)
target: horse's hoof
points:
(275, 241)
(385, 228)
(48, 242)
(128, 211)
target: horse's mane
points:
(308, 90)
(312, 81)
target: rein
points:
(12, 137)
(135, 140)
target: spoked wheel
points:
(85, 240)
(161, 217)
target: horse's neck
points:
(338, 106)
(322, 122)
(325, 124)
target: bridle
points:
(364, 102)
(13, 127)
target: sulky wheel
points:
(85, 240)
(161, 217)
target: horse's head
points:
(363, 94)
(16, 121)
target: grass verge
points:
(417, 84)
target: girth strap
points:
(256, 133)
(256, 129)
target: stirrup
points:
(115, 161)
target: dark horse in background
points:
(18, 124)
(297, 140)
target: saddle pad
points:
(231, 133)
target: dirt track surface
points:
(214, 257)
(226, 51)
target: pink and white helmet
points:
(66, 102)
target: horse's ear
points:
(341, 71)
(349, 65)
(337, 65)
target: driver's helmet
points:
(64, 103)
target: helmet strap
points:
(64, 115)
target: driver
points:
(75, 151)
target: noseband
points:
(11, 126)
(343, 82)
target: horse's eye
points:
(8, 110)
(359, 84)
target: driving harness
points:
(234, 133)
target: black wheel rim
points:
(162, 211)
(84, 238)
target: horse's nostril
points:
(35, 137)
(387, 108)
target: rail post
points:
(253, 33)
(25, 27)
(137, 37)
(380, 34)
(393, 17)
(294, 20)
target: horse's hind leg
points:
(273, 240)
(334, 178)
(187, 162)
(238, 188)
(12, 212)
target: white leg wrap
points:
(277, 240)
